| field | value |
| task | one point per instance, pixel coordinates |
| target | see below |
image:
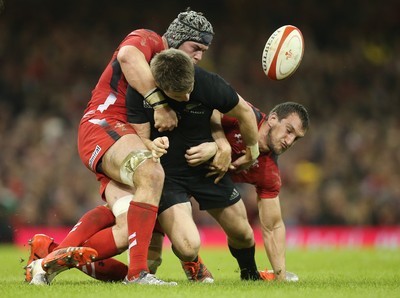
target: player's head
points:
(287, 122)
(190, 32)
(173, 72)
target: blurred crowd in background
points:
(344, 172)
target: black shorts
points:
(208, 194)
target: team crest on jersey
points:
(120, 126)
(194, 108)
(238, 138)
(191, 106)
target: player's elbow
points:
(129, 55)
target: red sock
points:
(106, 270)
(141, 220)
(90, 223)
(103, 242)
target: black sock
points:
(247, 263)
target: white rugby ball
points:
(283, 52)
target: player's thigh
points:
(116, 154)
(233, 219)
(177, 222)
(113, 159)
(114, 191)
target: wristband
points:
(154, 96)
(254, 151)
(159, 105)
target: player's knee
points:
(155, 173)
(243, 237)
(138, 167)
(187, 251)
(248, 237)
(150, 174)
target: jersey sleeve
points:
(134, 105)
(215, 91)
(147, 41)
(229, 123)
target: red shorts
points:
(95, 137)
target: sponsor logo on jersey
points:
(234, 194)
(120, 126)
(94, 155)
(191, 106)
(194, 108)
(146, 105)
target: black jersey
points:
(210, 92)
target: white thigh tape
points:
(131, 163)
(121, 205)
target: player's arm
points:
(138, 75)
(223, 157)
(158, 146)
(249, 131)
(220, 149)
(274, 234)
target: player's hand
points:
(221, 163)
(159, 147)
(165, 119)
(244, 162)
(201, 153)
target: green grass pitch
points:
(323, 273)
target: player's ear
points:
(272, 119)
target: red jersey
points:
(108, 97)
(264, 173)
(105, 117)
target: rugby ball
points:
(283, 52)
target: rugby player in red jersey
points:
(111, 148)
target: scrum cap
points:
(189, 26)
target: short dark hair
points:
(173, 70)
(283, 110)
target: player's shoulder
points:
(144, 36)
(144, 33)
(212, 83)
(268, 171)
(202, 74)
(270, 158)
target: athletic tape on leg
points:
(122, 205)
(131, 163)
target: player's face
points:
(283, 133)
(194, 49)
